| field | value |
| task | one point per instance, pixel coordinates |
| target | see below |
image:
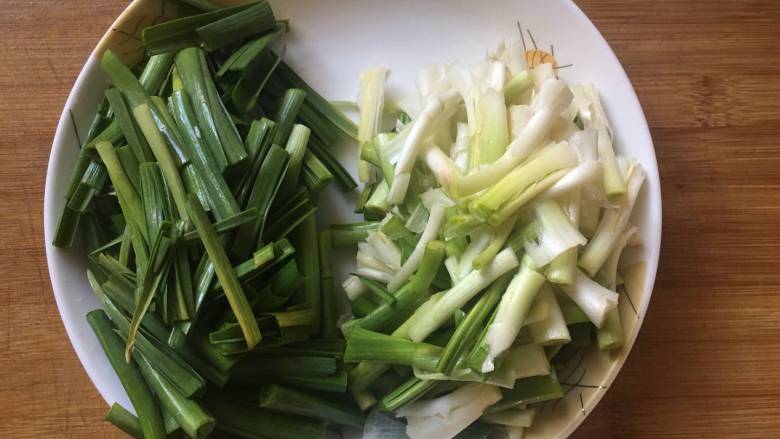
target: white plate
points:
(331, 42)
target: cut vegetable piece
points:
(130, 131)
(225, 273)
(460, 149)
(607, 276)
(208, 169)
(365, 345)
(501, 233)
(296, 149)
(594, 300)
(380, 425)
(255, 19)
(131, 379)
(125, 421)
(553, 97)
(286, 400)
(552, 330)
(156, 73)
(446, 416)
(557, 234)
(508, 194)
(443, 168)
(610, 336)
(289, 215)
(177, 34)
(407, 298)
(166, 362)
(529, 391)
(167, 126)
(354, 287)
(614, 185)
(379, 293)
(155, 198)
(561, 269)
(129, 200)
(264, 190)
(218, 131)
(377, 204)
(308, 256)
(365, 373)
(612, 224)
(511, 312)
(511, 417)
(333, 384)
(252, 50)
(249, 421)
(590, 109)
(520, 361)
(254, 79)
(286, 113)
(342, 176)
(517, 86)
(492, 132)
(316, 175)
(188, 413)
(385, 249)
(431, 230)
(468, 330)
(343, 235)
(329, 305)
(254, 368)
(421, 128)
(162, 153)
(462, 292)
(586, 173)
(371, 104)
(321, 105)
(408, 392)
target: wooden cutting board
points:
(706, 362)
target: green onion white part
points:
(581, 175)
(520, 361)
(537, 313)
(435, 218)
(443, 168)
(417, 219)
(590, 109)
(420, 129)
(614, 185)
(489, 164)
(561, 269)
(613, 223)
(608, 272)
(459, 151)
(511, 417)
(558, 234)
(593, 299)
(353, 287)
(479, 241)
(517, 187)
(462, 292)
(512, 310)
(446, 416)
(552, 330)
(552, 98)
(371, 104)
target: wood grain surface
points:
(707, 362)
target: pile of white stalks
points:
(496, 212)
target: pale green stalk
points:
(462, 292)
